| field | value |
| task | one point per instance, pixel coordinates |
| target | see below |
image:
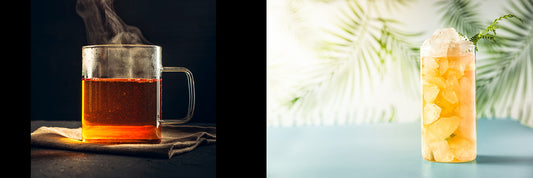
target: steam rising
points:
(103, 25)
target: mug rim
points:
(121, 46)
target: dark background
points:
(185, 29)
(222, 43)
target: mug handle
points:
(190, 81)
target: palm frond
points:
(460, 14)
(368, 50)
(504, 72)
(381, 6)
(505, 76)
(404, 55)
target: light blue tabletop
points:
(505, 149)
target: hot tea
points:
(121, 110)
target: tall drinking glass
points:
(449, 102)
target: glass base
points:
(123, 141)
(112, 134)
(453, 161)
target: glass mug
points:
(121, 93)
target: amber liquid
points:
(449, 108)
(121, 110)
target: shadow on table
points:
(504, 160)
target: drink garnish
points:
(490, 31)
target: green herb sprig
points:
(490, 31)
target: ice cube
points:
(429, 63)
(452, 73)
(431, 113)
(461, 61)
(426, 150)
(443, 65)
(463, 149)
(429, 66)
(454, 49)
(441, 151)
(432, 49)
(455, 64)
(438, 81)
(466, 47)
(442, 128)
(445, 35)
(443, 42)
(430, 92)
(450, 96)
(451, 90)
(448, 109)
(468, 61)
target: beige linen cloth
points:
(175, 140)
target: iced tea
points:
(448, 68)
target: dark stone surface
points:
(201, 162)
